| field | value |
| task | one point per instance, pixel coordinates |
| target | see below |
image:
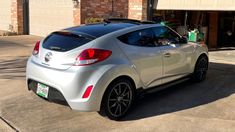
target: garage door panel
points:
(223, 5)
(5, 14)
(49, 15)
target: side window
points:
(139, 38)
(165, 36)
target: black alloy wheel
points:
(118, 99)
(200, 69)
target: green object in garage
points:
(195, 36)
(201, 36)
(192, 36)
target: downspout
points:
(25, 16)
(150, 9)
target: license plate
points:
(42, 90)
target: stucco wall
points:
(47, 16)
(5, 14)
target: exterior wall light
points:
(76, 3)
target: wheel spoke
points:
(123, 93)
(112, 99)
(116, 110)
(113, 105)
(127, 93)
(119, 89)
(120, 108)
(116, 92)
(124, 103)
(201, 75)
(126, 100)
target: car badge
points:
(48, 57)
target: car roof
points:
(100, 29)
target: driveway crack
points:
(9, 124)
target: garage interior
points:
(213, 22)
(218, 27)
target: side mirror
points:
(183, 40)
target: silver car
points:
(101, 67)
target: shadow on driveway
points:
(219, 84)
(8, 44)
(13, 68)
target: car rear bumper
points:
(54, 95)
(67, 86)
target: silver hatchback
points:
(100, 67)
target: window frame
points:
(173, 33)
(150, 29)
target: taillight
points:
(91, 56)
(36, 48)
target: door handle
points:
(167, 54)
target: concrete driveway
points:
(188, 107)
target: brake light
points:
(91, 56)
(36, 48)
(87, 92)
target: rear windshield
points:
(64, 41)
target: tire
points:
(200, 69)
(118, 99)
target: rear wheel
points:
(118, 99)
(200, 70)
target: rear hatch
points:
(60, 49)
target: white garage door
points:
(5, 14)
(46, 16)
(223, 5)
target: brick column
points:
(138, 9)
(77, 15)
(17, 16)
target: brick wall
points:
(17, 16)
(134, 9)
(103, 9)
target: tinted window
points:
(64, 41)
(165, 36)
(139, 38)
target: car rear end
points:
(60, 70)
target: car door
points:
(145, 57)
(176, 54)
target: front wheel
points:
(118, 99)
(200, 70)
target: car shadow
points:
(13, 68)
(9, 44)
(219, 84)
